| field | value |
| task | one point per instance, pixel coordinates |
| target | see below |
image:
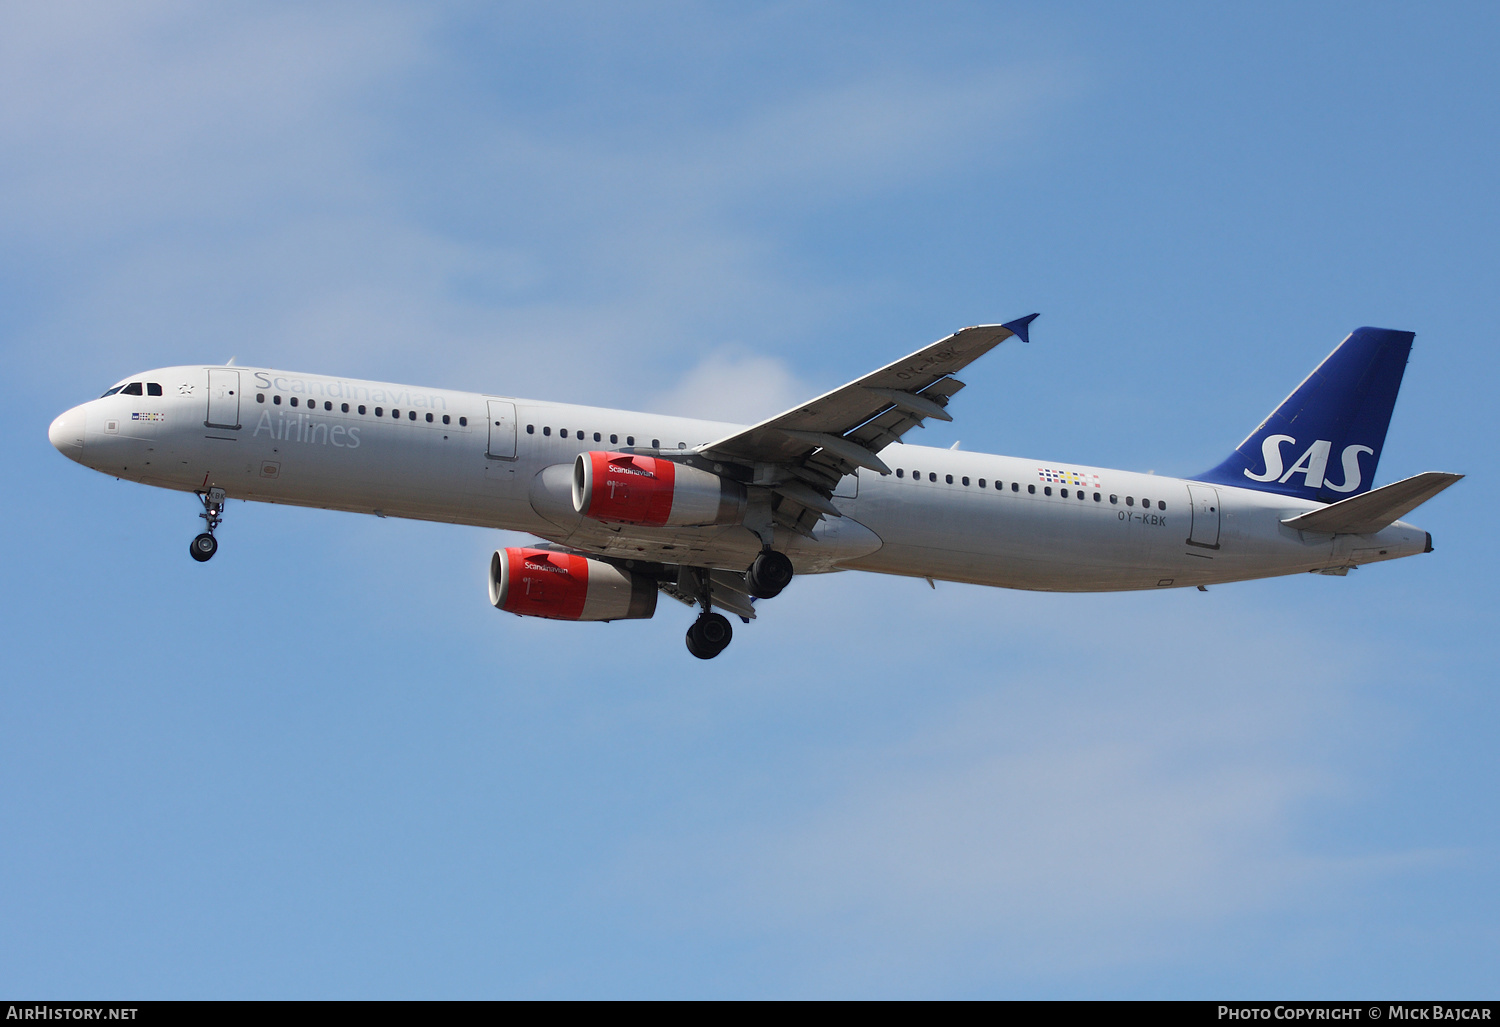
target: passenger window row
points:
(411, 415)
(614, 440)
(1015, 486)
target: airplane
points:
(629, 506)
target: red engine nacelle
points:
(647, 490)
(567, 586)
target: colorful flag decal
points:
(1055, 476)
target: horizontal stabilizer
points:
(1369, 513)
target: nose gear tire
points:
(203, 547)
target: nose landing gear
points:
(204, 546)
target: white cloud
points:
(1094, 798)
(266, 181)
(727, 386)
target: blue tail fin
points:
(1324, 441)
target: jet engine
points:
(630, 489)
(567, 586)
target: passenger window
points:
(276, 400)
(1161, 505)
(546, 429)
(429, 418)
(1031, 489)
(1047, 490)
(1146, 503)
(563, 432)
(1081, 495)
(931, 476)
(598, 437)
(133, 389)
(531, 429)
(327, 405)
(361, 409)
(344, 408)
(260, 397)
(1130, 501)
(900, 473)
(981, 482)
(614, 440)
(463, 422)
(1064, 493)
(153, 389)
(1097, 497)
(1114, 500)
(682, 445)
(445, 418)
(395, 413)
(1015, 486)
(411, 415)
(630, 440)
(948, 478)
(294, 401)
(656, 443)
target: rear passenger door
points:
(1204, 502)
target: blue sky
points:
(323, 766)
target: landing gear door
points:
(223, 398)
(1204, 502)
(502, 430)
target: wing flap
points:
(1376, 509)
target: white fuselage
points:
(503, 462)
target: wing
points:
(803, 453)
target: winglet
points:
(1021, 327)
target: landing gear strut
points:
(710, 634)
(769, 574)
(205, 545)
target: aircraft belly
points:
(1043, 543)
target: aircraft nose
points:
(66, 433)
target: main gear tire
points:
(709, 636)
(769, 574)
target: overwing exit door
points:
(502, 430)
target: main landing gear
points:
(711, 632)
(709, 636)
(205, 545)
(769, 574)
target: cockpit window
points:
(112, 391)
(133, 389)
(153, 389)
